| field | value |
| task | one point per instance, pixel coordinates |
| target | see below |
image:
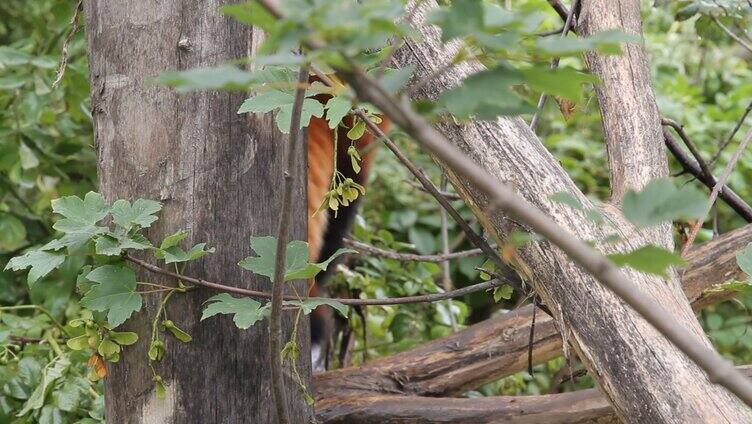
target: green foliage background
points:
(702, 79)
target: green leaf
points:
(141, 213)
(662, 201)
(219, 78)
(486, 95)
(12, 57)
(251, 14)
(311, 108)
(177, 332)
(12, 82)
(28, 159)
(78, 343)
(461, 18)
(393, 80)
(336, 109)
(503, 292)
(123, 338)
(275, 99)
(744, 260)
(246, 311)
(606, 42)
(266, 102)
(296, 259)
(41, 264)
(115, 293)
(111, 245)
(176, 254)
(308, 305)
(650, 259)
(566, 198)
(71, 240)
(156, 350)
(564, 82)
(173, 240)
(12, 232)
(51, 415)
(52, 372)
(107, 246)
(68, 396)
(81, 216)
(107, 348)
(357, 130)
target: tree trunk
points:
(644, 376)
(217, 174)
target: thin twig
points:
(562, 11)
(556, 31)
(405, 300)
(729, 196)
(446, 278)
(412, 257)
(448, 195)
(278, 284)
(688, 142)
(554, 64)
(64, 54)
(414, 88)
(731, 136)
(718, 186)
(732, 35)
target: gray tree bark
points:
(644, 376)
(217, 175)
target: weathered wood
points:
(580, 407)
(498, 347)
(645, 377)
(217, 174)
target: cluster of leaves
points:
(111, 293)
(45, 152)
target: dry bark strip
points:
(645, 377)
(580, 407)
(497, 347)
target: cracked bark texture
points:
(217, 174)
(644, 376)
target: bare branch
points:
(373, 250)
(718, 186)
(729, 196)
(275, 318)
(582, 406)
(730, 137)
(687, 142)
(64, 54)
(227, 288)
(447, 194)
(732, 35)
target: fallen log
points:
(580, 407)
(498, 347)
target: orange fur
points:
(322, 239)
